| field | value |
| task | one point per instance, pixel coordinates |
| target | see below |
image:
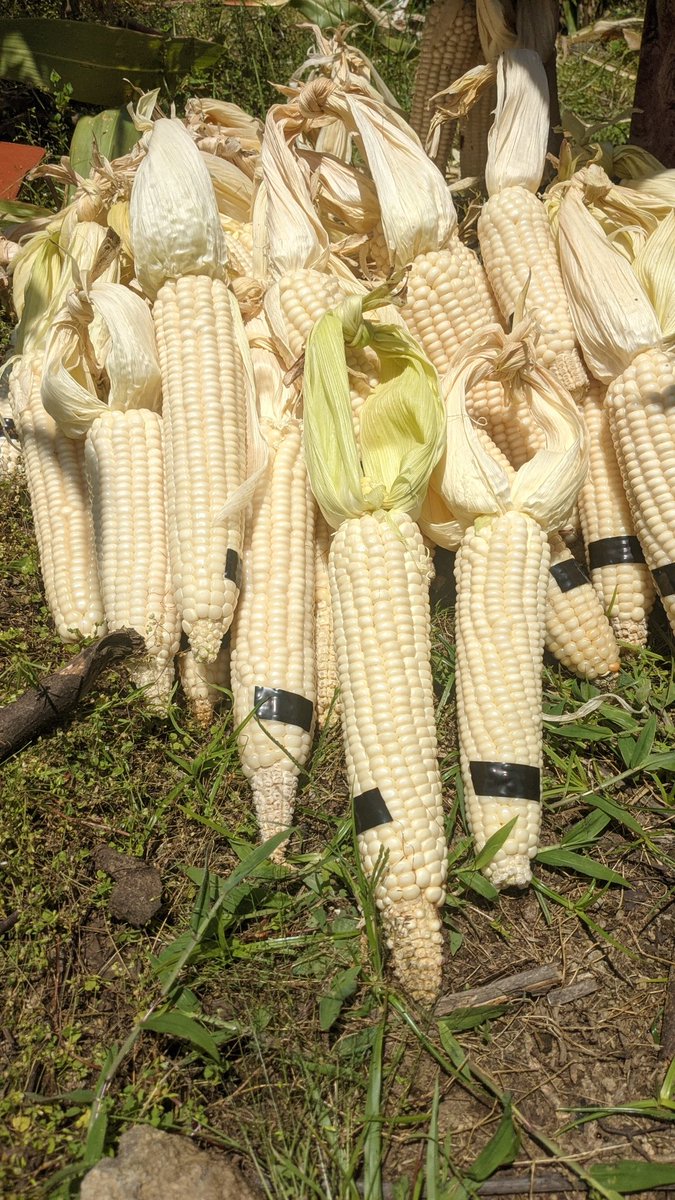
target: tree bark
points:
(653, 126)
(41, 708)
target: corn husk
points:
(654, 266)
(402, 422)
(612, 316)
(472, 481)
(101, 354)
(416, 207)
(36, 270)
(295, 237)
(233, 189)
(175, 226)
(233, 120)
(518, 138)
(344, 195)
(657, 183)
(496, 27)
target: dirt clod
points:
(137, 894)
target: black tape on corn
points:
(443, 587)
(664, 578)
(370, 810)
(513, 781)
(608, 552)
(569, 574)
(273, 704)
(233, 567)
(184, 642)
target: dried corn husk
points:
(175, 226)
(654, 266)
(518, 139)
(611, 313)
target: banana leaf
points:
(98, 63)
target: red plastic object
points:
(16, 160)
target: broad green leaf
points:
(96, 1133)
(453, 1049)
(14, 212)
(500, 1150)
(468, 1018)
(660, 762)
(630, 1175)
(478, 883)
(432, 1165)
(330, 1005)
(176, 1024)
(112, 131)
(328, 14)
(94, 60)
(493, 844)
(372, 1146)
(557, 856)
(586, 831)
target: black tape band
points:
(569, 574)
(608, 552)
(272, 704)
(664, 578)
(233, 567)
(184, 642)
(370, 810)
(513, 781)
(443, 592)
(9, 429)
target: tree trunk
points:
(653, 126)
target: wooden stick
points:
(41, 708)
(512, 1183)
(585, 986)
(667, 1047)
(536, 979)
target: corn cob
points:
(501, 572)
(208, 421)
(449, 47)
(624, 338)
(577, 630)
(619, 574)
(448, 299)
(204, 684)
(273, 665)
(327, 695)
(515, 239)
(54, 467)
(502, 579)
(379, 575)
(640, 407)
(125, 472)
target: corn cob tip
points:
(157, 683)
(413, 935)
(206, 638)
(633, 632)
(512, 870)
(274, 791)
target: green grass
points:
(255, 1012)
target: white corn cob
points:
(502, 579)
(61, 513)
(204, 414)
(273, 633)
(577, 630)
(625, 588)
(379, 575)
(125, 471)
(204, 684)
(448, 300)
(327, 694)
(449, 47)
(641, 409)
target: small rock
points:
(151, 1165)
(137, 894)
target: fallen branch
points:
(536, 979)
(40, 708)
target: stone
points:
(151, 1165)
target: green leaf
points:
(96, 60)
(14, 212)
(586, 831)
(478, 883)
(330, 14)
(453, 1049)
(112, 131)
(493, 844)
(644, 743)
(622, 815)
(432, 1173)
(468, 1018)
(500, 1150)
(372, 1147)
(660, 762)
(629, 1175)
(176, 1024)
(96, 1133)
(557, 856)
(330, 1005)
